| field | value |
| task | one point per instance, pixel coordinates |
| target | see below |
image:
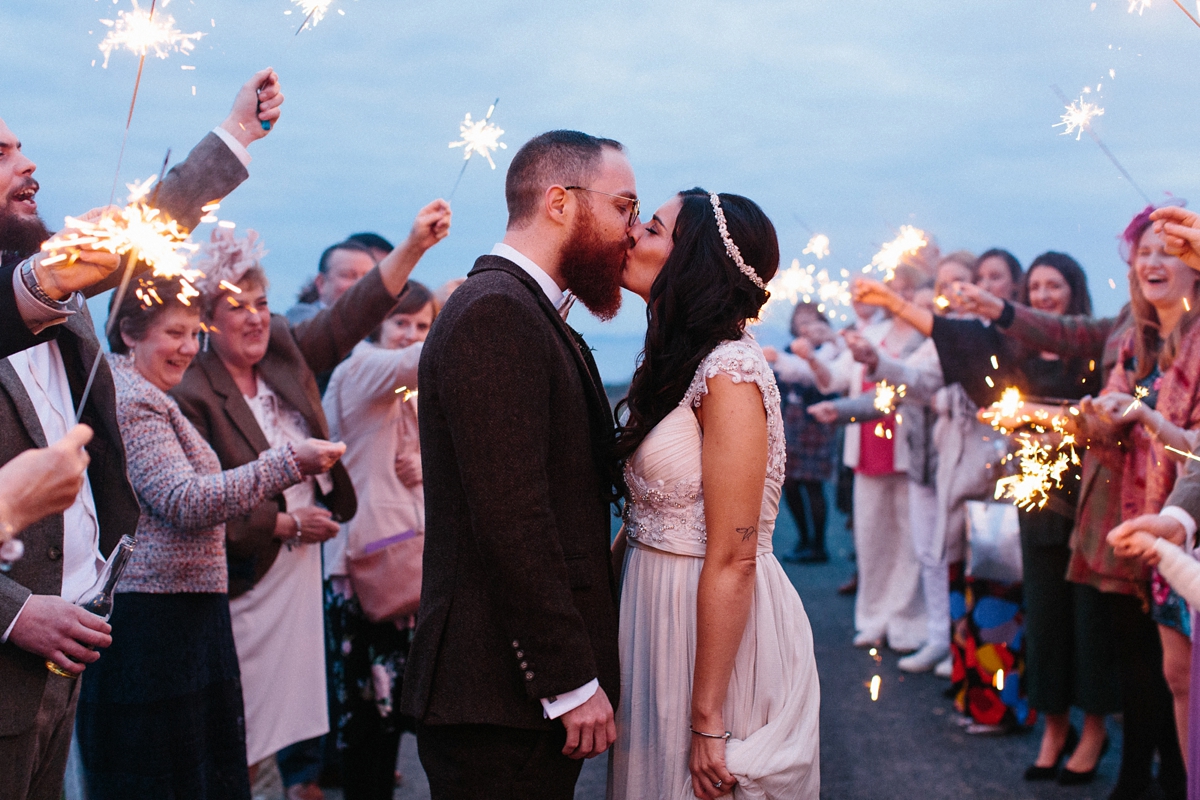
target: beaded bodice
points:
(666, 505)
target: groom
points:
(513, 672)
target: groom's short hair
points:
(566, 158)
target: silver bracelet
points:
(725, 736)
(295, 540)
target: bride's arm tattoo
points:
(747, 533)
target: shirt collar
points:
(558, 298)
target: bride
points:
(719, 691)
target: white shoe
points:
(924, 659)
(945, 668)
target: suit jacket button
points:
(516, 644)
(524, 665)
(54, 553)
(528, 676)
(520, 654)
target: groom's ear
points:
(558, 206)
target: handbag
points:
(993, 541)
(386, 576)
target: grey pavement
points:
(906, 744)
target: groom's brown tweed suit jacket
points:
(518, 600)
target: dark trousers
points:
(489, 762)
(369, 759)
(1070, 656)
(301, 762)
(1147, 703)
(795, 492)
(32, 763)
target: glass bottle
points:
(99, 599)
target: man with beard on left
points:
(50, 343)
(513, 671)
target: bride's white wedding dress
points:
(772, 705)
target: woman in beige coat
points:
(371, 403)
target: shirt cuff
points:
(13, 624)
(243, 155)
(1006, 316)
(555, 707)
(36, 315)
(1189, 525)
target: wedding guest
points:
(371, 405)
(999, 273)
(1122, 581)
(889, 606)
(341, 266)
(810, 445)
(161, 713)
(43, 381)
(1159, 358)
(379, 246)
(254, 388)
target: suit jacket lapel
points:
(597, 399)
(235, 405)
(12, 384)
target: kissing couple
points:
(682, 645)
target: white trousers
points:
(935, 569)
(889, 603)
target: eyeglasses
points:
(635, 211)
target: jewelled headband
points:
(730, 247)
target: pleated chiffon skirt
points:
(772, 706)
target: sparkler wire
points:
(1189, 14)
(468, 160)
(1104, 148)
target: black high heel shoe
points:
(1071, 778)
(1036, 773)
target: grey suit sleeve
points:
(857, 409)
(210, 172)
(12, 599)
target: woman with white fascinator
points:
(719, 682)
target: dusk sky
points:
(849, 119)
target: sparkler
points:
(907, 242)
(1140, 393)
(141, 34)
(874, 687)
(1086, 127)
(886, 394)
(1139, 6)
(1183, 453)
(1041, 470)
(408, 394)
(1195, 21)
(314, 11)
(998, 680)
(1078, 118)
(817, 246)
(478, 137)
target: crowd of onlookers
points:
(1031, 611)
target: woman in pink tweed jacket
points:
(161, 714)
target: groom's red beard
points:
(592, 267)
(21, 234)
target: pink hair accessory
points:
(1129, 238)
(227, 259)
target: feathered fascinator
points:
(227, 259)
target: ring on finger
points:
(718, 784)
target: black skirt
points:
(160, 714)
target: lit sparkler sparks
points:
(817, 246)
(907, 242)
(139, 231)
(143, 33)
(480, 137)
(1139, 6)
(313, 10)
(805, 284)
(998, 680)
(1010, 402)
(407, 394)
(1078, 118)
(941, 301)
(886, 395)
(1140, 393)
(1042, 469)
(874, 687)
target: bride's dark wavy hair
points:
(698, 300)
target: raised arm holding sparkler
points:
(1180, 230)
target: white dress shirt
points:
(552, 707)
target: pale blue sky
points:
(853, 117)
